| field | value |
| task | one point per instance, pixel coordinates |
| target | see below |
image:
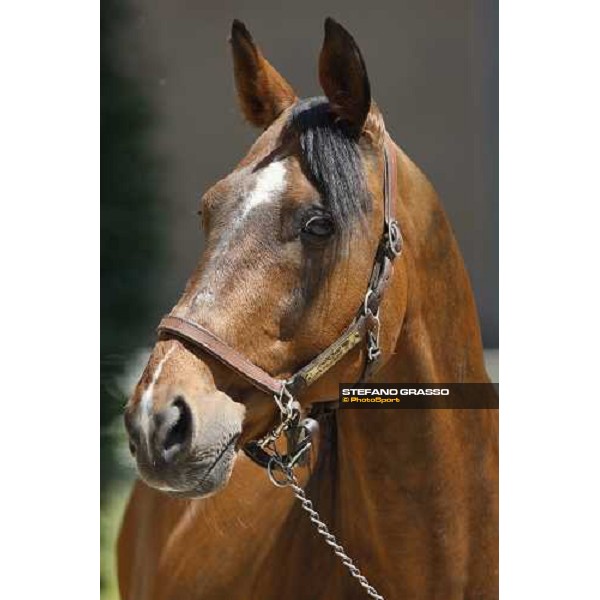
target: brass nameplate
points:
(330, 358)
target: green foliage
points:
(110, 520)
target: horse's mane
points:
(331, 160)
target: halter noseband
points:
(365, 326)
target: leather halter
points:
(365, 326)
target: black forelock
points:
(331, 159)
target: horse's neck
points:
(412, 481)
(440, 339)
(383, 462)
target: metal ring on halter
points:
(366, 309)
(394, 238)
(274, 463)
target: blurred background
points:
(170, 127)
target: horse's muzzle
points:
(185, 447)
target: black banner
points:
(418, 395)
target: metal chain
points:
(321, 526)
(289, 412)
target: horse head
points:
(291, 235)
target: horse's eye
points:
(318, 227)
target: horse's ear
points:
(343, 76)
(263, 93)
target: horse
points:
(292, 235)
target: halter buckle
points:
(394, 239)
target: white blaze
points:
(270, 182)
(147, 400)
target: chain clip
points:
(373, 349)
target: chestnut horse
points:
(291, 237)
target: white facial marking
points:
(204, 296)
(268, 186)
(147, 399)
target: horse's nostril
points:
(180, 429)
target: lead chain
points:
(323, 530)
(289, 411)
